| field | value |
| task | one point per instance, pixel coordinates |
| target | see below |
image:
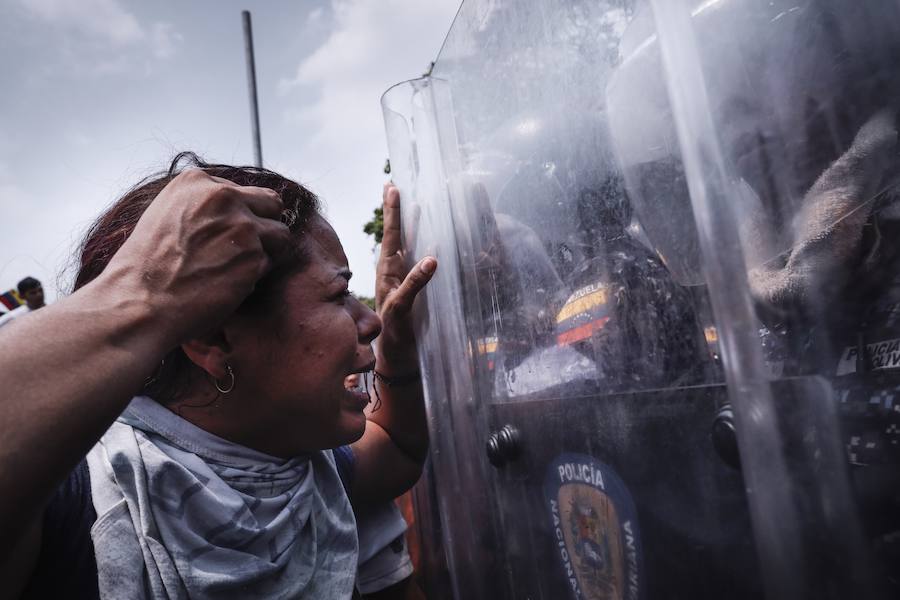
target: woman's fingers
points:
(274, 236)
(398, 300)
(265, 208)
(391, 269)
(263, 202)
(390, 241)
(203, 244)
(396, 289)
(401, 300)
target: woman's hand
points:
(199, 250)
(395, 290)
(390, 454)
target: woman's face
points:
(290, 362)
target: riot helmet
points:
(619, 306)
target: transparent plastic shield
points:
(580, 442)
(422, 147)
(780, 121)
(662, 351)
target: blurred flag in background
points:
(11, 299)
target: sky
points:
(98, 94)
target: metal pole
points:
(251, 83)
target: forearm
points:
(68, 371)
(402, 411)
(401, 416)
(382, 472)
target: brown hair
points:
(113, 227)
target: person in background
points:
(33, 292)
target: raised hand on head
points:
(200, 247)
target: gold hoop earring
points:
(231, 384)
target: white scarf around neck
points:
(182, 513)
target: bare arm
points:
(78, 363)
(195, 254)
(390, 454)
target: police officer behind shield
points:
(804, 100)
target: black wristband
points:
(398, 381)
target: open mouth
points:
(361, 384)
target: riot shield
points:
(659, 353)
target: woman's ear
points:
(210, 353)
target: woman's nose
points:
(368, 324)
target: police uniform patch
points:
(486, 348)
(878, 356)
(595, 529)
(585, 312)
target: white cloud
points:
(103, 18)
(315, 16)
(90, 28)
(372, 46)
(369, 36)
(164, 40)
(368, 50)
